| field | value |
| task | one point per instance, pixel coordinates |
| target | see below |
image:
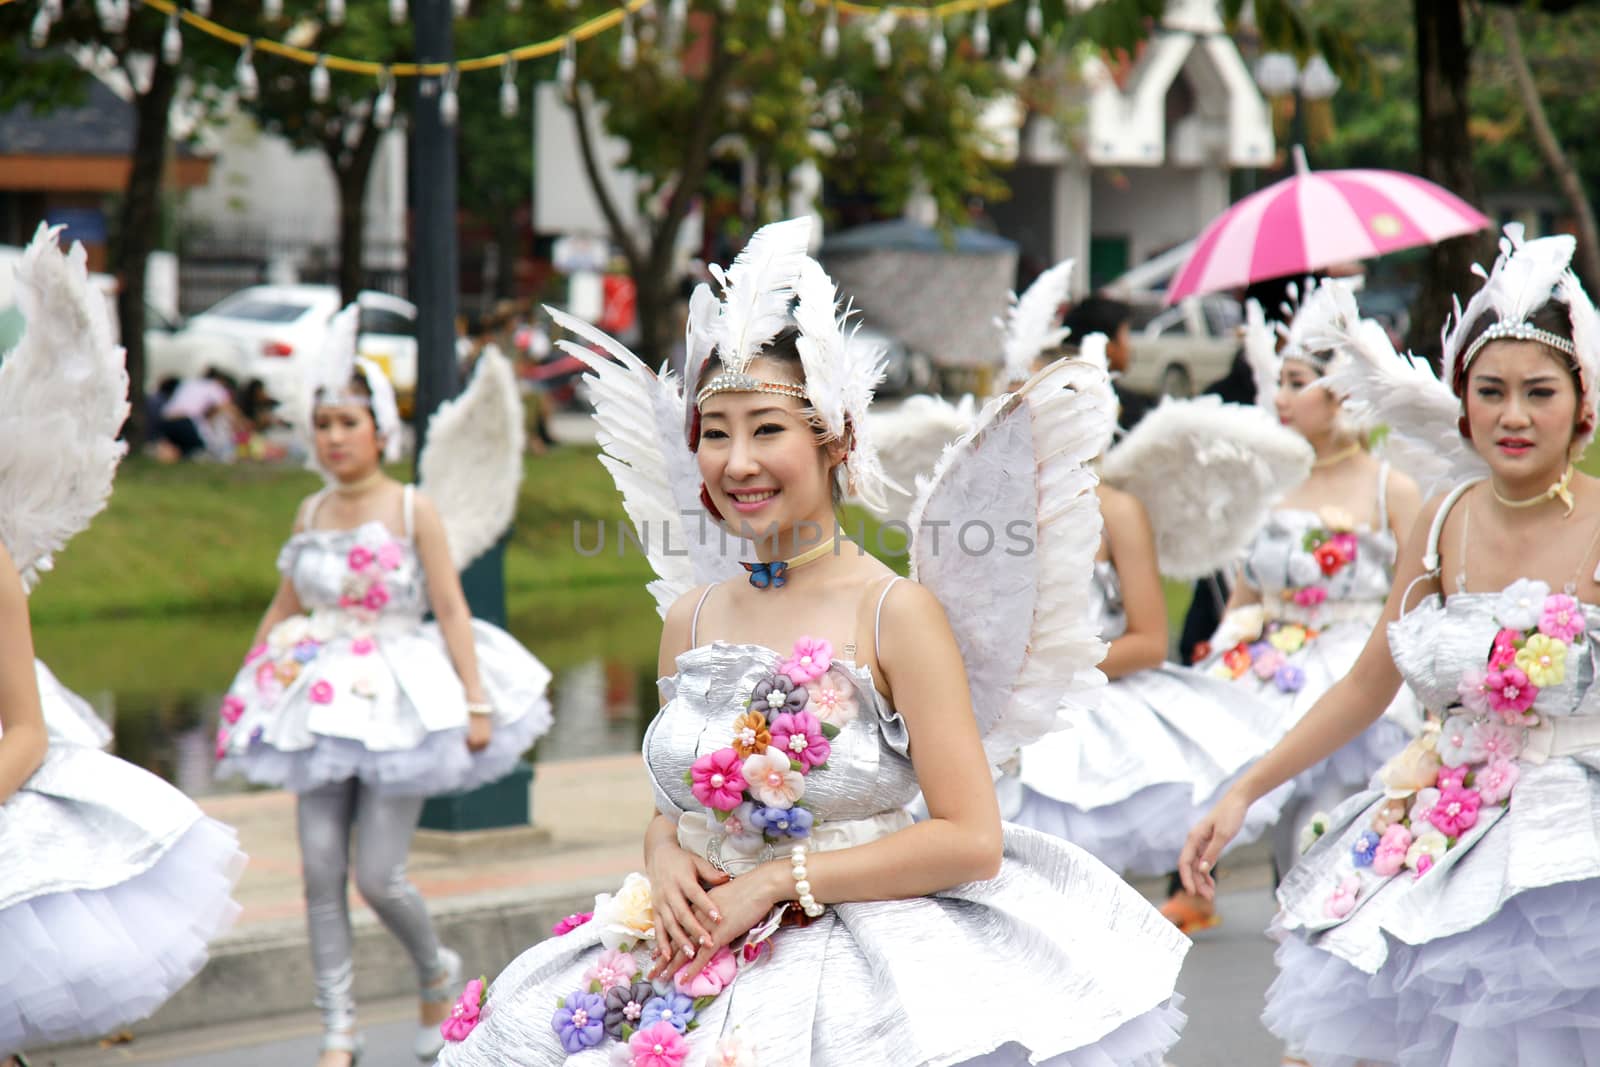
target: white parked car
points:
(272, 332)
(1178, 350)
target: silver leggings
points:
(383, 827)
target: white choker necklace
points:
(1561, 490)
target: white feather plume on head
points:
(337, 365)
(699, 340)
(757, 289)
(1261, 353)
(1029, 326)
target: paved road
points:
(1227, 973)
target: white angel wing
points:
(472, 464)
(1400, 391)
(1006, 532)
(1207, 472)
(640, 417)
(910, 441)
(63, 400)
(1261, 353)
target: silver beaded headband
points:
(748, 383)
(327, 398)
(1518, 331)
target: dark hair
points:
(1096, 314)
(1552, 316)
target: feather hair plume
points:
(1261, 353)
(756, 290)
(1029, 326)
(1525, 276)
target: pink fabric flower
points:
(1424, 865)
(363, 646)
(1266, 665)
(571, 923)
(1495, 782)
(390, 555)
(322, 692)
(658, 1045)
(810, 661)
(1346, 544)
(464, 1015)
(1495, 740)
(377, 596)
(1504, 651)
(832, 701)
(1343, 898)
(255, 654)
(266, 676)
(799, 735)
(1562, 617)
(1456, 812)
(1451, 777)
(232, 709)
(346, 601)
(717, 976)
(1510, 690)
(717, 781)
(1426, 799)
(772, 780)
(1474, 697)
(1310, 596)
(359, 557)
(1390, 856)
(613, 968)
(222, 742)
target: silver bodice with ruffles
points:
(317, 562)
(1278, 561)
(1106, 610)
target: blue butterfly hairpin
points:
(767, 575)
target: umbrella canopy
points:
(1314, 220)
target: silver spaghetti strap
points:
(1383, 495)
(877, 615)
(1430, 561)
(694, 623)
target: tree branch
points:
(608, 206)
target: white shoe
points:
(430, 1039)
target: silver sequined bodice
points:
(1105, 607)
(1278, 560)
(319, 564)
(868, 772)
(1436, 643)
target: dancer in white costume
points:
(1313, 580)
(793, 914)
(1447, 916)
(113, 881)
(350, 699)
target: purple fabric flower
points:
(1289, 678)
(625, 1006)
(778, 694)
(1365, 848)
(782, 822)
(306, 651)
(1259, 649)
(674, 1009)
(580, 1021)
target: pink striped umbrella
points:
(1317, 219)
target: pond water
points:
(159, 682)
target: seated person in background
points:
(259, 422)
(190, 420)
(1099, 314)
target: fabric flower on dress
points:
(1495, 740)
(740, 832)
(390, 554)
(1456, 741)
(363, 646)
(464, 1014)
(1510, 692)
(1366, 846)
(1472, 692)
(625, 1007)
(232, 709)
(222, 742)
(1289, 678)
(1428, 845)
(1266, 665)
(833, 701)
(783, 822)
(1288, 639)
(674, 1009)
(1346, 544)
(799, 736)
(1310, 596)
(717, 975)
(1313, 830)
(305, 651)
(322, 692)
(628, 915)
(772, 780)
(1412, 768)
(1561, 618)
(1390, 856)
(1495, 782)
(376, 597)
(1456, 811)
(1503, 652)
(1544, 660)
(1521, 605)
(1336, 519)
(1329, 558)
(1235, 662)
(255, 653)
(778, 694)
(1342, 900)
(1421, 806)
(751, 734)
(614, 967)
(810, 661)
(580, 1021)
(1246, 622)
(658, 1046)
(717, 779)
(360, 558)
(732, 1051)
(571, 923)
(1389, 813)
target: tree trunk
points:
(138, 230)
(352, 165)
(1555, 157)
(1443, 69)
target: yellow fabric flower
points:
(1544, 660)
(1288, 639)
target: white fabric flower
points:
(733, 1051)
(1304, 570)
(1457, 741)
(773, 780)
(627, 916)
(289, 632)
(1519, 607)
(1426, 799)
(1428, 843)
(739, 838)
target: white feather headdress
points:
(1526, 276)
(1261, 353)
(1029, 326)
(337, 364)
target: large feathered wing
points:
(472, 465)
(1005, 535)
(1207, 473)
(910, 441)
(63, 400)
(1401, 392)
(640, 429)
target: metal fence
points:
(212, 265)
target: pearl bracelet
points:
(479, 708)
(802, 887)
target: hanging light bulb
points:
(513, 6)
(272, 10)
(728, 6)
(321, 84)
(336, 12)
(172, 41)
(937, 46)
(462, 7)
(39, 30)
(830, 33)
(449, 103)
(627, 47)
(245, 73)
(567, 67)
(397, 12)
(383, 107)
(1033, 20)
(202, 8)
(113, 15)
(509, 100)
(808, 8)
(677, 15)
(775, 19)
(980, 32)
(882, 53)
(141, 71)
